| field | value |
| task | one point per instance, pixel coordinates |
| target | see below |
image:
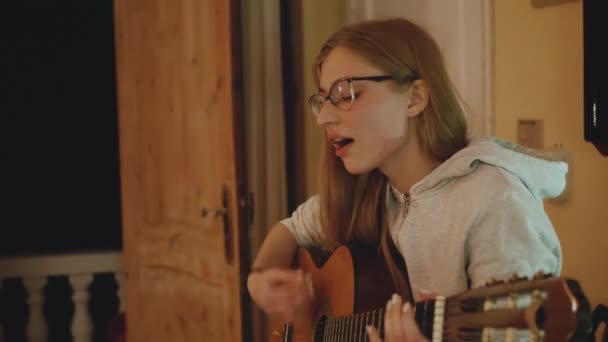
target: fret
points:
(336, 330)
(339, 329)
(334, 337)
(438, 319)
(338, 319)
(363, 324)
(352, 328)
(342, 336)
(374, 319)
(347, 335)
(356, 327)
(429, 318)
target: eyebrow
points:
(321, 90)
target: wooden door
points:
(179, 169)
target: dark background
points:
(61, 166)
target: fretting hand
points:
(399, 323)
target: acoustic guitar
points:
(352, 287)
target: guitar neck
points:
(353, 327)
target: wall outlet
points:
(530, 133)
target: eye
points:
(347, 97)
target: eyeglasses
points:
(341, 94)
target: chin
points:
(355, 168)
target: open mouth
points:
(341, 142)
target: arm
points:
(273, 286)
(277, 250)
(281, 243)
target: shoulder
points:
(487, 182)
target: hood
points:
(543, 173)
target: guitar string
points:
(348, 324)
(448, 327)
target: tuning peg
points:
(493, 281)
(542, 275)
(516, 278)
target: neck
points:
(408, 166)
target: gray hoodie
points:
(478, 216)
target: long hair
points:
(353, 207)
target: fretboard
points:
(353, 327)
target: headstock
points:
(543, 308)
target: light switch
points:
(530, 133)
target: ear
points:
(419, 97)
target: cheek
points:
(389, 126)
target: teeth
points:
(338, 140)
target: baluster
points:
(119, 291)
(81, 324)
(36, 325)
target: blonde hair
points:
(353, 208)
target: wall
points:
(319, 20)
(538, 75)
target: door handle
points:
(227, 223)
(205, 212)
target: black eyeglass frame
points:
(350, 80)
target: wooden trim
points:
(295, 116)
(240, 165)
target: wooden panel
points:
(178, 156)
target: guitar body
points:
(352, 287)
(353, 279)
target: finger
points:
(408, 324)
(286, 300)
(278, 276)
(392, 319)
(373, 334)
(285, 295)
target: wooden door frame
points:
(244, 204)
(241, 191)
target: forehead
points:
(342, 62)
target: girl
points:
(400, 172)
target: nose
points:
(328, 114)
